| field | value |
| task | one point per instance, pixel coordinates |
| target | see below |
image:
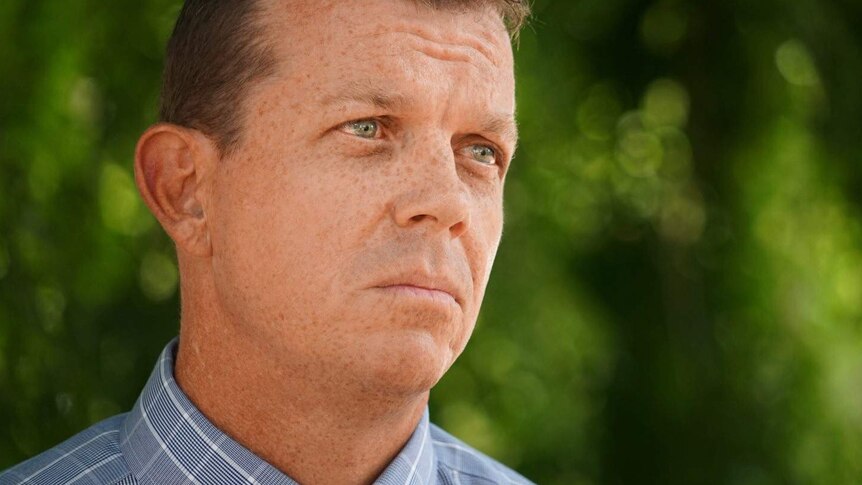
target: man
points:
(332, 176)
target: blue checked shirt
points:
(166, 440)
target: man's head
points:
(339, 150)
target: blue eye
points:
(484, 154)
(363, 128)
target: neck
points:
(285, 416)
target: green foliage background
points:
(678, 295)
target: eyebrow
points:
(503, 124)
(362, 93)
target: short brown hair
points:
(218, 49)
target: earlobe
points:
(170, 162)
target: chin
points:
(407, 364)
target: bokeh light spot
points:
(85, 101)
(64, 403)
(640, 153)
(473, 424)
(51, 303)
(122, 210)
(158, 276)
(676, 166)
(663, 27)
(666, 103)
(683, 219)
(848, 283)
(796, 64)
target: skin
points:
(287, 342)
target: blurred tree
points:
(678, 294)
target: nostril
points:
(458, 229)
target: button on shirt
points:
(166, 440)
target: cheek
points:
(282, 232)
(489, 229)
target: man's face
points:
(376, 156)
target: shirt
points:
(166, 440)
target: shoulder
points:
(464, 465)
(92, 456)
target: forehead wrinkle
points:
(457, 46)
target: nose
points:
(434, 195)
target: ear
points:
(170, 164)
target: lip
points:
(439, 288)
(438, 296)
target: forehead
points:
(396, 42)
(356, 18)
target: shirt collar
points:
(165, 439)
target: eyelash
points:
(500, 157)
